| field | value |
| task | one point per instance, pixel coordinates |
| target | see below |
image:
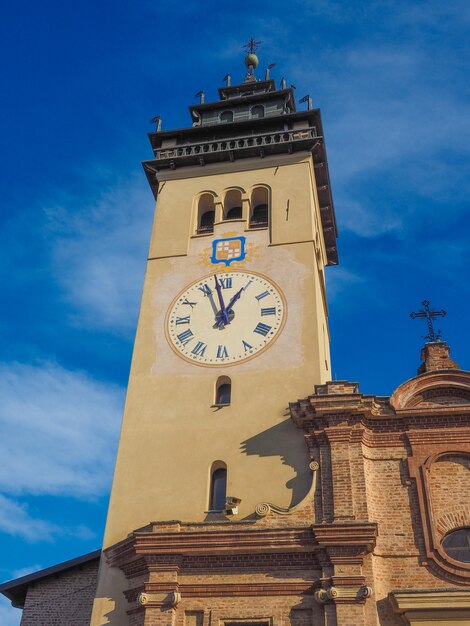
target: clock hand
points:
(223, 310)
(230, 305)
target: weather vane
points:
(429, 315)
(252, 46)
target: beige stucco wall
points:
(171, 434)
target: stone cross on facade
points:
(429, 315)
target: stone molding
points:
(167, 549)
(346, 594)
(434, 606)
(338, 412)
(169, 600)
(456, 380)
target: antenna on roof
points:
(200, 94)
(158, 121)
(308, 99)
(227, 78)
(283, 83)
(270, 67)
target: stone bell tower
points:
(212, 477)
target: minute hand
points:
(223, 310)
(230, 304)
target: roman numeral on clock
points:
(206, 290)
(225, 283)
(199, 349)
(262, 329)
(269, 311)
(185, 320)
(222, 352)
(246, 345)
(191, 304)
(185, 337)
(260, 296)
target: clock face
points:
(225, 318)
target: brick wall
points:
(450, 492)
(62, 600)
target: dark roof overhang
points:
(211, 129)
(16, 590)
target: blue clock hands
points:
(228, 309)
(223, 318)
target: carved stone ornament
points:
(264, 508)
(350, 593)
(171, 600)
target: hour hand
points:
(230, 305)
(223, 310)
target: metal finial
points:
(283, 83)
(270, 67)
(158, 121)
(200, 94)
(227, 78)
(429, 315)
(308, 99)
(252, 46)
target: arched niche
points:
(260, 208)
(205, 213)
(233, 205)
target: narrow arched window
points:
(259, 217)
(218, 489)
(233, 205)
(257, 111)
(223, 391)
(206, 214)
(226, 117)
(206, 224)
(234, 214)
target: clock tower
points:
(232, 326)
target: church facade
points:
(250, 489)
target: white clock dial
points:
(225, 318)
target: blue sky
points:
(80, 83)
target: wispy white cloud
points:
(99, 251)
(395, 112)
(59, 431)
(15, 520)
(340, 280)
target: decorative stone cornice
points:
(345, 544)
(346, 536)
(406, 395)
(339, 403)
(412, 602)
(167, 549)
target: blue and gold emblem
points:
(228, 250)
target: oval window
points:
(457, 545)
